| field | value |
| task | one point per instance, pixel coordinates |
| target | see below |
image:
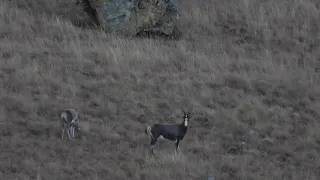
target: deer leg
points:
(62, 136)
(76, 129)
(153, 141)
(72, 131)
(69, 133)
(177, 146)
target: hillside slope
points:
(249, 68)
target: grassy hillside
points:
(250, 68)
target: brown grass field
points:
(250, 68)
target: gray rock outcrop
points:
(134, 16)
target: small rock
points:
(296, 115)
(268, 141)
(254, 132)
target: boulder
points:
(134, 16)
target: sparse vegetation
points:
(250, 69)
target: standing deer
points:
(175, 132)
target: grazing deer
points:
(69, 117)
(175, 132)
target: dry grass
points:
(249, 67)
